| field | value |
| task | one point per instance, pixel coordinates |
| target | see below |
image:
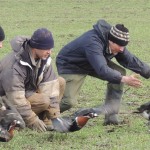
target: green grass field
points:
(67, 19)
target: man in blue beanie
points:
(28, 80)
(91, 54)
(2, 36)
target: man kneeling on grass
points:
(28, 80)
(29, 83)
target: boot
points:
(113, 99)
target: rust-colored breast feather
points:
(81, 121)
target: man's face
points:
(42, 54)
(115, 48)
(1, 44)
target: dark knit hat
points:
(119, 34)
(42, 39)
(2, 34)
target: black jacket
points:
(88, 54)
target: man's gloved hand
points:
(38, 125)
(53, 109)
(53, 112)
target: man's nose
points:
(49, 52)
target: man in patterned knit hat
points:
(91, 54)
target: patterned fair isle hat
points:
(119, 34)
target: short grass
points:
(67, 19)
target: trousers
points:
(40, 103)
(74, 83)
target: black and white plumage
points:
(9, 119)
(7, 134)
(73, 123)
(8, 113)
(79, 119)
(144, 109)
(8, 116)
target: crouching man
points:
(28, 81)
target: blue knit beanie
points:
(42, 39)
(2, 34)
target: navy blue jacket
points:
(88, 54)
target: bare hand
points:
(132, 80)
